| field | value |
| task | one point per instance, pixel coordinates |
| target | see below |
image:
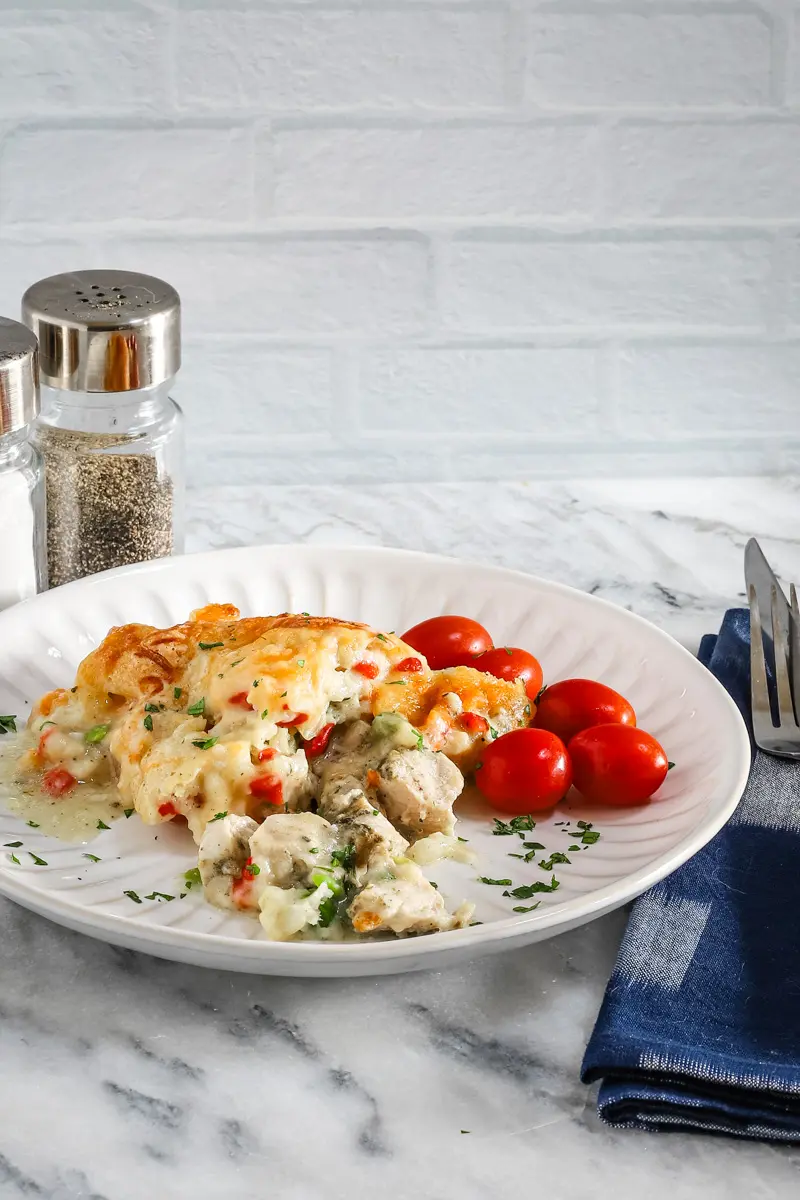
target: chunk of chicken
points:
(288, 846)
(224, 852)
(417, 790)
(404, 901)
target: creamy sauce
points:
(72, 818)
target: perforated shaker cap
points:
(104, 331)
(19, 376)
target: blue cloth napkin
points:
(700, 1025)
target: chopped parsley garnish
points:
(159, 896)
(256, 682)
(584, 824)
(527, 710)
(670, 765)
(463, 839)
(198, 708)
(252, 869)
(96, 734)
(301, 662)
(400, 683)
(92, 857)
(236, 662)
(13, 845)
(494, 882)
(520, 825)
(283, 694)
(210, 645)
(39, 862)
(8, 724)
(305, 614)
(382, 638)
(206, 743)
(44, 725)
(154, 708)
(590, 837)
(128, 812)
(218, 816)
(102, 825)
(177, 692)
(526, 907)
(493, 732)
(547, 864)
(33, 824)
(530, 889)
(192, 876)
(133, 896)
(327, 911)
(265, 713)
(345, 857)
(574, 849)
(532, 849)
(14, 859)
(148, 723)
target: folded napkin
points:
(700, 1025)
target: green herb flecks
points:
(252, 869)
(520, 825)
(39, 862)
(345, 857)
(148, 723)
(159, 896)
(494, 882)
(523, 908)
(265, 713)
(13, 845)
(670, 765)
(301, 662)
(590, 837)
(14, 859)
(137, 899)
(8, 724)
(177, 692)
(218, 817)
(210, 645)
(206, 743)
(198, 708)
(92, 857)
(530, 889)
(35, 824)
(154, 707)
(129, 812)
(102, 825)
(96, 734)
(192, 877)
(327, 911)
(547, 864)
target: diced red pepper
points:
(58, 781)
(318, 744)
(241, 699)
(267, 788)
(408, 665)
(297, 719)
(167, 810)
(473, 723)
(368, 669)
(241, 883)
(266, 754)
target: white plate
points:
(678, 700)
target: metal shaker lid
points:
(19, 376)
(104, 331)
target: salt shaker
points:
(110, 435)
(22, 496)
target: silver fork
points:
(783, 633)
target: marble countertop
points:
(125, 1077)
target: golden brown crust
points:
(136, 661)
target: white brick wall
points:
(431, 238)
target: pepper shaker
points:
(110, 435)
(22, 497)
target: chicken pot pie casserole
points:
(315, 761)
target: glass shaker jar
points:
(23, 569)
(110, 435)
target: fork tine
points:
(780, 644)
(759, 695)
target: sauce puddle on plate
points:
(72, 818)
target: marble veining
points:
(126, 1077)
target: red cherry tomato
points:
(575, 704)
(58, 781)
(507, 662)
(617, 764)
(524, 771)
(448, 641)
